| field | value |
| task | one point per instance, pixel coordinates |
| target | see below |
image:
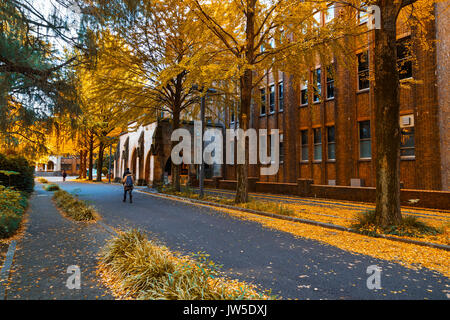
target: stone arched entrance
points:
(168, 171)
(133, 164)
(50, 166)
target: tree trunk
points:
(84, 163)
(80, 172)
(387, 128)
(246, 84)
(91, 157)
(176, 168)
(101, 149)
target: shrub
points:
(73, 207)
(23, 181)
(43, 180)
(410, 226)
(268, 206)
(140, 269)
(51, 187)
(12, 206)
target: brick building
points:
(327, 129)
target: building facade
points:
(327, 123)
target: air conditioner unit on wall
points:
(407, 121)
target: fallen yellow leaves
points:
(408, 255)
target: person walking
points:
(64, 175)
(128, 183)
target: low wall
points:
(305, 188)
(48, 174)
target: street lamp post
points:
(109, 165)
(111, 139)
(202, 119)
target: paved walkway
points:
(293, 267)
(50, 245)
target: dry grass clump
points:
(265, 206)
(136, 268)
(410, 226)
(269, 206)
(51, 187)
(73, 207)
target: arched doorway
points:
(50, 166)
(133, 166)
(168, 171)
(148, 174)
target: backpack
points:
(128, 181)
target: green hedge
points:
(12, 206)
(25, 180)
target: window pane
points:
(318, 152)
(407, 144)
(317, 144)
(263, 101)
(317, 136)
(281, 95)
(363, 71)
(305, 155)
(304, 96)
(272, 98)
(304, 137)
(304, 143)
(330, 82)
(330, 134)
(365, 149)
(318, 84)
(404, 60)
(332, 151)
(364, 130)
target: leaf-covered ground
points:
(343, 213)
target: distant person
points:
(128, 183)
(64, 175)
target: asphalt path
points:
(52, 253)
(293, 267)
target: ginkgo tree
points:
(102, 118)
(158, 36)
(261, 36)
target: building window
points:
(304, 145)
(281, 96)
(363, 71)
(263, 101)
(232, 117)
(317, 144)
(318, 85)
(329, 14)
(317, 18)
(331, 139)
(363, 15)
(330, 82)
(404, 59)
(407, 144)
(304, 94)
(281, 149)
(272, 98)
(365, 141)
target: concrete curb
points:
(294, 219)
(4, 273)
